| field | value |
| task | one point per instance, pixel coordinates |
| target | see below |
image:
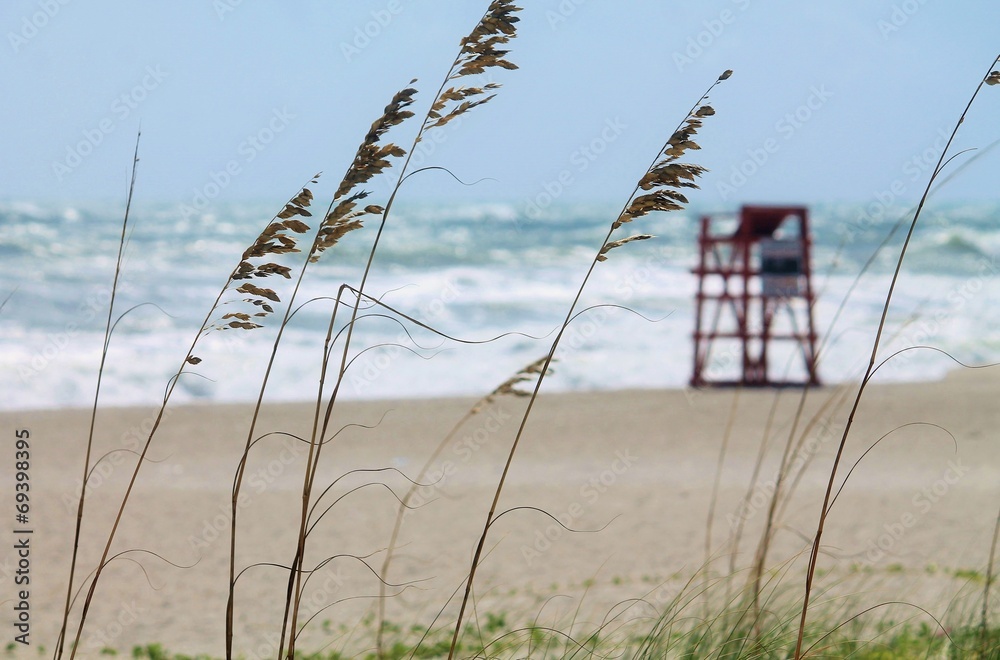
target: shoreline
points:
(957, 373)
(632, 471)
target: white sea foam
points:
(473, 272)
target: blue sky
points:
(831, 101)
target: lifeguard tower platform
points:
(755, 301)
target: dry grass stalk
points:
(663, 178)
(278, 238)
(510, 386)
(342, 217)
(610, 245)
(984, 628)
(736, 536)
(93, 411)
(371, 159)
(189, 359)
(507, 388)
(477, 54)
(760, 555)
(990, 79)
(781, 497)
(720, 461)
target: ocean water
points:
(496, 282)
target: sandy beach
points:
(633, 471)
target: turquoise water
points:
(474, 272)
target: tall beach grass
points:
(770, 608)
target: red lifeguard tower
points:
(746, 279)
